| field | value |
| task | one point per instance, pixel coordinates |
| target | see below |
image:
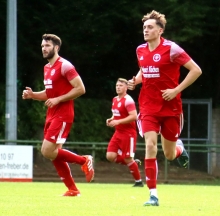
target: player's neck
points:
(121, 95)
(52, 60)
(152, 45)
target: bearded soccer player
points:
(62, 86)
(122, 146)
(159, 99)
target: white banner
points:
(16, 163)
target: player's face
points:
(47, 49)
(121, 88)
(151, 30)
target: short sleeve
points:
(178, 55)
(68, 70)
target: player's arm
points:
(192, 76)
(135, 80)
(29, 94)
(77, 90)
(132, 116)
(194, 72)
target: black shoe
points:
(183, 159)
(138, 184)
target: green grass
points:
(43, 199)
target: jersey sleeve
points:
(178, 55)
(130, 104)
(68, 70)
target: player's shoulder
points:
(128, 98)
(142, 46)
(170, 43)
(65, 62)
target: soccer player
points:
(122, 146)
(62, 86)
(160, 102)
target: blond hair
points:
(160, 18)
(122, 80)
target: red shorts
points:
(123, 144)
(169, 126)
(57, 131)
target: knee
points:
(110, 157)
(45, 153)
(151, 148)
(169, 155)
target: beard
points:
(49, 55)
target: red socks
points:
(64, 173)
(134, 170)
(120, 160)
(151, 171)
(70, 157)
(179, 150)
(133, 167)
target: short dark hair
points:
(54, 38)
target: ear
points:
(57, 48)
(160, 31)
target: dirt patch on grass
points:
(106, 172)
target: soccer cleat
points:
(153, 201)
(138, 162)
(183, 159)
(72, 193)
(138, 184)
(87, 168)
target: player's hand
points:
(108, 121)
(27, 94)
(131, 83)
(113, 123)
(169, 94)
(51, 102)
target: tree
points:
(100, 38)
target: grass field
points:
(43, 199)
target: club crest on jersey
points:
(52, 72)
(119, 104)
(156, 57)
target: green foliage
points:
(89, 124)
(100, 38)
(90, 120)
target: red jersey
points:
(160, 71)
(120, 109)
(56, 81)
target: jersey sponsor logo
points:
(156, 57)
(48, 84)
(151, 72)
(151, 75)
(116, 112)
(150, 69)
(52, 72)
